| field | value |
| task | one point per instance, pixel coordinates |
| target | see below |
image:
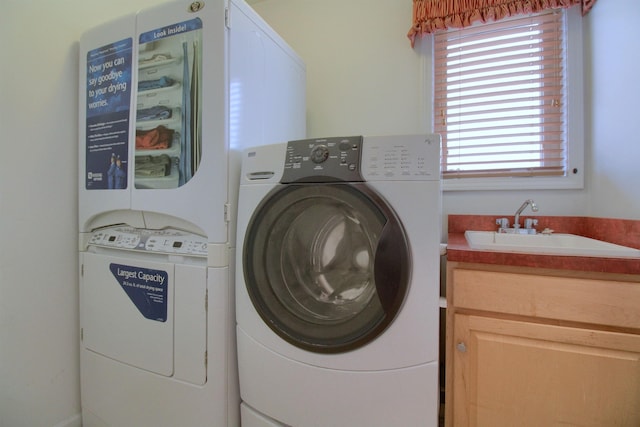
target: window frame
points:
(574, 179)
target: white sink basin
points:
(550, 244)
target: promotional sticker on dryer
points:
(147, 289)
(108, 100)
(168, 143)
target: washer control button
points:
(319, 153)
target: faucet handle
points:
(529, 223)
(502, 222)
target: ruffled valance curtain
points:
(432, 15)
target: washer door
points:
(326, 266)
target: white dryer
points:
(337, 282)
(157, 347)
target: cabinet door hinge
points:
(227, 212)
(227, 18)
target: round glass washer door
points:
(326, 266)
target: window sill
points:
(573, 182)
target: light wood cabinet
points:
(533, 347)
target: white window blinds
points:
(499, 97)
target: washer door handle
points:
(392, 266)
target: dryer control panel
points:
(166, 241)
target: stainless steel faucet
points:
(534, 208)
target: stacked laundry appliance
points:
(168, 97)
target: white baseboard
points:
(73, 421)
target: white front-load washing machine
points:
(337, 282)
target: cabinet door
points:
(513, 373)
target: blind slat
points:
(473, 47)
(492, 104)
(484, 91)
(545, 30)
(505, 122)
(510, 173)
(544, 65)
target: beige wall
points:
(613, 118)
(362, 75)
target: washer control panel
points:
(166, 241)
(402, 158)
(323, 159)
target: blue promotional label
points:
(171, 30)
(108, 104)
(147, 289)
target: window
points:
(508, 103)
